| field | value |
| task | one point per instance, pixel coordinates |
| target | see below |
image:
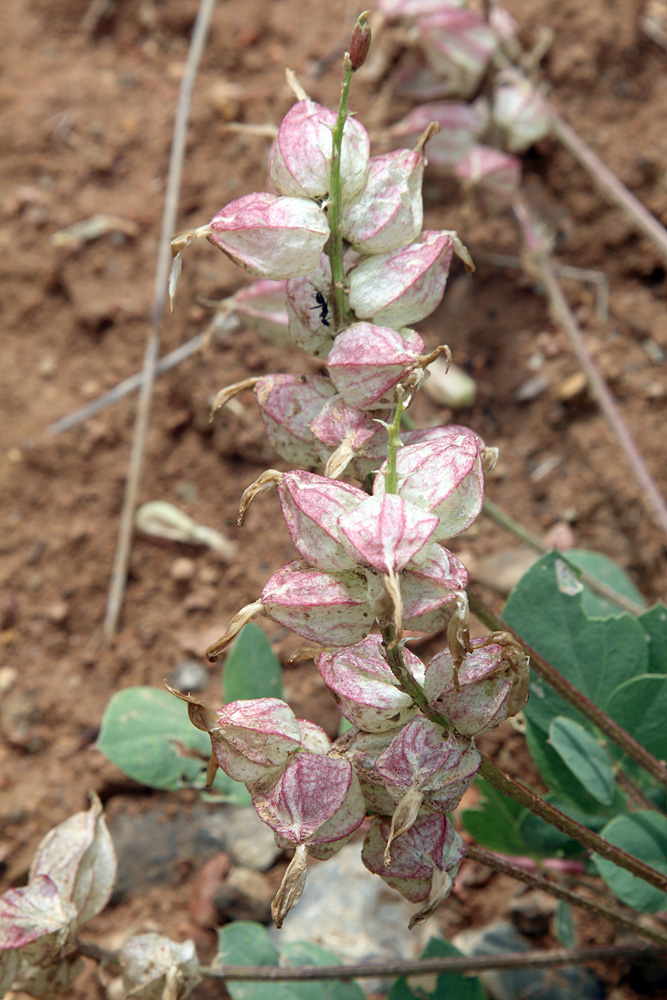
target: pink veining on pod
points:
(364, 687)
(494, 174)
(403, 286)
(300, 163)
(387, 531)
(367, 361)
(388, 213)
(443, 476)
(254, 736)
(311, 507)
(458, 45)
(328, 608)
(289, 404)
(490, 685)
(270, 236)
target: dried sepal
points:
(229, 391)
(245, 615)
(268, 480)
(489, 685)
(291, 887)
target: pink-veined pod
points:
(300, 164)
(270, 236)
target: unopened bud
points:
(361, 41)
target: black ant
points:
(323, 306)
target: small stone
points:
(572, 387)
(503, 570)
(654, 351)
(531, 389)
(14, 456)
(7, 677)
(183, 569)
(47, 366)
(209, 575)
(201, 906)
(189, 675)
(201, 599)
(90, 389)
(57, 612)
(244, 895)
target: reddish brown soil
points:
(87, 122)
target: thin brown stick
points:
(133, 481)
(612, 913)
(616, 733)
(453, 963)
(649, 492)
(592, 841)
(609, 182)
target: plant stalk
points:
(649, 491)
(452, 963)
(615, 915)
(335, 242)
(576, 698)
(526, 797)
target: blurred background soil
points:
(87, 110)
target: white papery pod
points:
(395, 9)
(458, 45)
(386, 532)
(364, 687)
(311, 507)
(490, 685)
(269, 236)
(423, 862)
(156, 968)
(254, 737)
(308, 306)
(79, 857)
(521, 111)
(433, 590)
(289, 404)
(367, 361)
(261, 306)
(443, 476)
(493, 174)
(388, 213)
(300, 164)
(441, 765)
(316, 800)
(461, 126)
(403, 286)
(331, 609)
(314, 738)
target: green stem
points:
(391, 475)
(611, 729)
(335, 243)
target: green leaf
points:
(252, 669)
(640, 706)
(449, 985)
(147, 734)
(606, 571)
(588, 762)
(643, 834)
(246, 943)
(494, 821)
(574, 798)
(654, 624)
(595, 655)
(564, 925)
